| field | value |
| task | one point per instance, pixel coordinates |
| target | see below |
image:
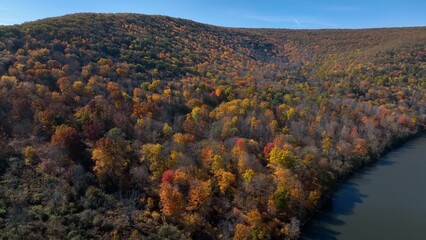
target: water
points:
(386, 201)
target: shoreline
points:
(325, 199)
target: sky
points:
(294, 14)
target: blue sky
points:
(238, 13)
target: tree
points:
(112, 157)
(153, 155)
(168, 176)
(225, 180)
(172, 201)
(326, 144)
(67, 137)
(281, 198)
(199, 194)
(282, 157)
(242, 232)
(168, 232)
(167, 130)
(360, 147)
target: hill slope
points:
(135, 126)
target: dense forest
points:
(125, 126)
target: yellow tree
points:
(326, 144)
(225, 180)
(281, 157)
(112, 158)
(153, 155)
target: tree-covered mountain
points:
(130, 126)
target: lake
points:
(384, 201)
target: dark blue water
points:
(386, 201)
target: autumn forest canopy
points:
(126, 126)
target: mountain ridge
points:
(235, 27)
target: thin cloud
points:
(299, 21)
(5, 8)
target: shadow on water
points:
(328, 224)
(343, 203)
(348, 197)
(385, 162)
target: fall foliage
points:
(130, 126)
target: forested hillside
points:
(125, 126)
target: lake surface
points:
(385, 201)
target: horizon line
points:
(2, 24)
